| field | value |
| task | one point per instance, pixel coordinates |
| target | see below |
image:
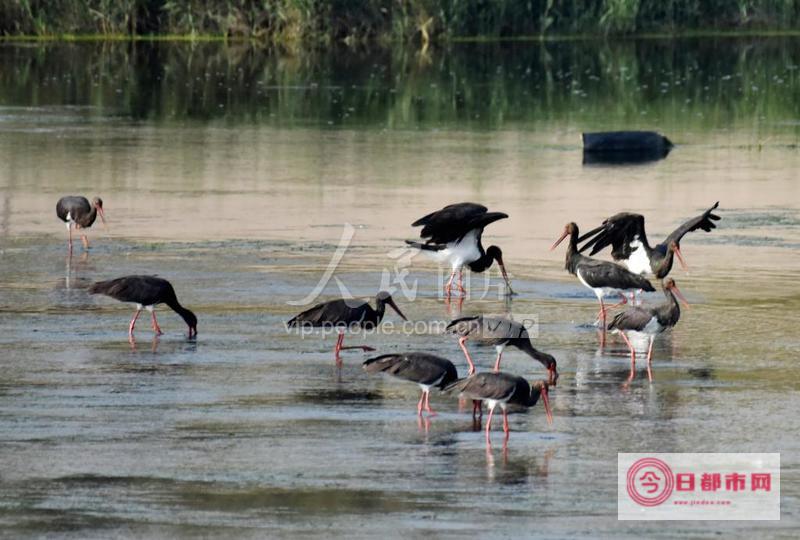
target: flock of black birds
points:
(452, 235)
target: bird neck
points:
(185, 314)
(573, 256)
(88, 219)
(661, 262)
(524, 344)
(670, 312)
(534, 396)
(484, 262)
(380, 309)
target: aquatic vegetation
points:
(291, 22)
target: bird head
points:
(669, 285)
(676, 249)
(570, 229)
(191, 320)
(496, 253)
(384, 297)
(97, 202)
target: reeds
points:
(356, 21)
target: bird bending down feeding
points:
(625, 233)
(427, 370)
(453, 235)
(503, 389)
(146, 292)
(343, 314)
(78, 212)
(602, 277)
(648, 321)
(500, 333)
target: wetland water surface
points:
(232, 173)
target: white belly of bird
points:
(600, 292)
(457, 254)
(638, 262)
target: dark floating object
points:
(422, 368)
(146, 292)
(624, 147)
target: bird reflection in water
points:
(516, 471)
(153, 344)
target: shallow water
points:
(233, 174)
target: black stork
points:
(343, 314)
(648, 321)
(503, 389)
(427, 370)
(500, 333)
(453, 235)
(78, 212)
(146, 292)
(602, 277)
(625, 233)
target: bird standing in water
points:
(453, 235)
(146, 292)
(602, 277)
(648, 321)
(503, 389)
(427, 370)
(77, 212)
(625, 233)
(343, 314)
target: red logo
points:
(650, 482)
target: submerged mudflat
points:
(252, 431)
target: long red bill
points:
(561, 239)
(680, 297)
(505, 277)
(547, 410)
(677, 251)
(397, 309)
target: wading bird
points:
(427, 370)
(503, 389)
(625, 233)
(602, 277)
(500, 333)
(453, 235)
(78, 212)
(146, 292)
(638, 321)
(343, 314)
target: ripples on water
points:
(231, 172)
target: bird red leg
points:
(430, 411)
(69, 228)
(133, 322)
(461, 342)
(601, 315)
(156, 328)
(477, 409)
(338, 349)
(633, 356)
(420, 403)
(489, 425)
(449, 285)
(497, 362)
(85, 241)
(650, 358)
(505, 424)
(461, 281)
